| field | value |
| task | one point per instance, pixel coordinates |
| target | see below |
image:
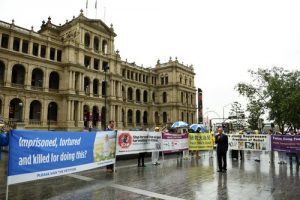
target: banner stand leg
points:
(6, 191)
(114, 169)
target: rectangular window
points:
(35, 49)
(59, 55)
(162, 80)
(96, 64)
(128, 74)
(52, 53)
(16, 44)
(43, 51)
(123, 72)
(4, 41)
(105, 65)
(87, 61)
(25, 46)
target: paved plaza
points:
(174, 179)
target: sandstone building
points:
(64, 76)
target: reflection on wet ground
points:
(174, 179)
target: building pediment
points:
(50, 29)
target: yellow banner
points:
(201, 141)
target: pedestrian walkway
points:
(174, 179)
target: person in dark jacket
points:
(222, 148)
(110, 127)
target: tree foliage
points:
(276, 91)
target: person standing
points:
(110, 127)
(222, 148)
(155, 153)
(141, 159)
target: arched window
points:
(86, 115)
(54, 81)
(162, 80)
(35, 111)
(129, 116)
(164, 97)
(16, 110)
(96, 43)
(95, 115)
(153, 97)
(104, 47)
(2, 72)
(166, 79)
(52, 111)
(87, 40)
(138, 117)
(123, 117)
(129, 93)
(186, 98)
(104, 88)
(96, 87)
(123, 93)
(181, 97)
(156, 117)
(165, 117)
(145, 96)
(103, 117)
(145, 117)
(37, 78)
(138, 95)
(18, 75)
(86, 85)
(180, 79)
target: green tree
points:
(275, 90)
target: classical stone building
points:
(64, 76)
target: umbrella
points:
(179, 124)
(195, 127)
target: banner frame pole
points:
(6, 196)
(114, 169)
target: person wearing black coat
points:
(222, 148)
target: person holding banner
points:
(292, 133)
(110, 127)
(222, 148)
(3, 139)
(141, 159)
(258, 152)
(155, 154)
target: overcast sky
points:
(222, 39)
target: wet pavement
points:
(174, 179)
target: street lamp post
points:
(208, 121)
(105, 68)
(187, 109)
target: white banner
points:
(255, 142)
(132, 142)
(174, 142)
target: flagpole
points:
(86, 7)
(96, 9)
(104, 14)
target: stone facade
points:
(63, 77)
